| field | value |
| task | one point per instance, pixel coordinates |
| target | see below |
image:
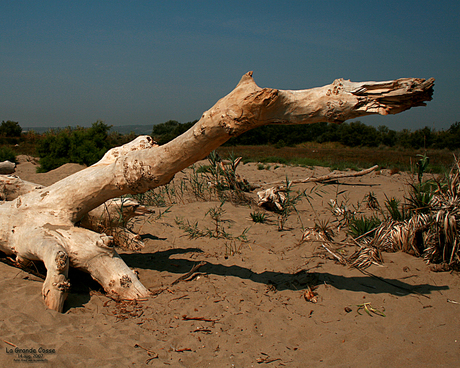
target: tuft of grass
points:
(258, 217)
(263, 167)
(288, 204)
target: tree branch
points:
(40, 224)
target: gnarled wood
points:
(40, 225)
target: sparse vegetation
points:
(218, 230)
(424, 224)
(424, 219)
(258, 217)
(339, 157)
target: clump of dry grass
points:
(427, 225)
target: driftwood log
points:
(40, 225)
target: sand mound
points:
(27, 170)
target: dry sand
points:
(244, 309)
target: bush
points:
(10, 129)
(83, 146)
(7, 154)
(165, 132)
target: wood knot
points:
(138, 175)
(336, 88)
(62, 286)
(125, 281)
(61, 260)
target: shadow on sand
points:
(160, 261)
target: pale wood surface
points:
(40, 225)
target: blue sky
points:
(145, 62)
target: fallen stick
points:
(328, 177)
(190, 273)
(204, 319)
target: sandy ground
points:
(245, 306)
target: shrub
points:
(10, 129)
(165, 132)
(83, 146)
(7, 154)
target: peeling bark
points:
(40, 224)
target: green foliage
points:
(396, 212)
(422, 165)
(83, 146)
(258, 217)
(223, 177)
(363, 225)
(7, 154)
(10, 129)
(420, 196)
(165, 132)
(353, 134)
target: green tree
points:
(10, 129)
(387, 136)
(452, 139)
(358, 134)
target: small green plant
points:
(288, 204)
(198, 185)
(363, 226)
(216, 214)
(396, 211)
(258, 217)
(422, 165)
(192, 230)
(420, 196)
(232, 247)
(324, 229)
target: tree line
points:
(87, 145)
(353, 134)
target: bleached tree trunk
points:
(40, 225)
